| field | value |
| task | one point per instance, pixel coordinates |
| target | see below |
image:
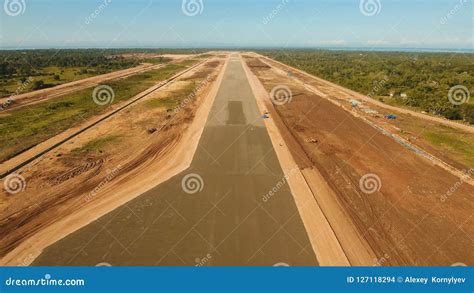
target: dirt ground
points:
(332, 88)
(153, 55)
(416, 214)
(409, 125)
(325, 244)
(85, 175)
(224, 218)
(31, 153)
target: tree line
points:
(421, 80)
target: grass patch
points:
(158, 103)
(97, 144)
(9, 86)
(174, 98)
(462, 147)
(25, 127)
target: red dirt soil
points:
(414, 219)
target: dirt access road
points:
(220, 211)
(80, 181)
(350, 93)
(408, 210)
(63, 89)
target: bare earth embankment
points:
(410, 211)
(231, 205)
(107, 165)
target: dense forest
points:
(27, 62)
(30, 62)
(419, 80)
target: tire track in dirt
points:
(103, 118)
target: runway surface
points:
(214, 213)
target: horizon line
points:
(230, 47)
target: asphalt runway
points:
(212, 214)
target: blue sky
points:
(275, 23)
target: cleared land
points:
(326, 245)
(405, 222)
(415, 128)
(270, 184)
(420, 82)
(225, 223)
(24, 99)
(104, 167)
(25, 127)
(63, 89)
